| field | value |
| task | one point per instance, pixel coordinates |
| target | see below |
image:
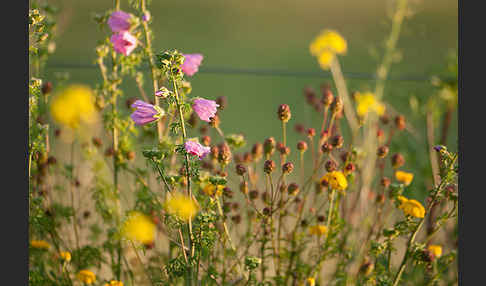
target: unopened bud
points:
(337, 106)
(311, 132)
(287, 168)
(385, 182)
(327, 97)
(269, 166)
(206, 140)
(302, 146)
(299, 128)
(337, 141)
(224, 155)
(326, 148)
(244, 187)
(382, 151)
(400, 122)
(240, 169)
(257, 151)
(397, 160)
(331, 165)
(284, 112)
(269, 146)
(293, 189)
(222, 101)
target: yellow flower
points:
(436, 250)
(86, 276)
(212, 190)
(336, 180)
(73, 106)
(318, 230)
(139, 227)
(368, 103)
(328, 40)
(411, 207)
(182, 206)
(114, 283)
(404, 177)
(41, 244)
(311, 281)
(326, 45)
(65, 255)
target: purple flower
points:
(205, 109)
(145, 112)
(191, 63)
(438, 148)
(194, 148)
(123, 43)
(119, 21)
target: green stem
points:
(153, 67)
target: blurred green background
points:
(275, 34)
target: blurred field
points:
(275, 35)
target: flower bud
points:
(215, 121)
(244, 187)
(385, 182)
(247, 157)
(240, 170)
(382, 151)
(236, 219)
(327, 97)
(321, 218)
(284, 112)
(400, 122)
(302, 146)
(380, 199)
(257, 151)
(97, 141)
(192, 120)
(380, 134)
(293, 189)
(130, 155)
(311, 132)
(269, 146)
(284, 150)
(385, 119)
(47, 87)
(299, 128)
(310, 96)
(326, 148)
(397, 160)
(222, 101)
(331, 165)
(287, 168)
(337, 106)
(224, 155)
(337, 141)
(206, 140)
(227, 192)
(266, 211)
(253, 194)
(214, 152)
(269, 166)
(349, 168)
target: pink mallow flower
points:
(145, 112)
(119, 21)
(191, 63)
(205, 109)
(123, 43)
(194, 148)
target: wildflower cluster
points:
(162, 195)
